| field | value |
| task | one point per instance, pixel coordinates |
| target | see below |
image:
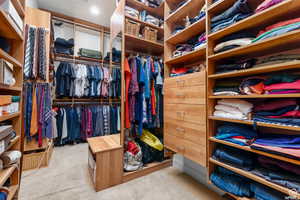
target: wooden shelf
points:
(255, 178)
(12, 143)
(80, 58)
(184, 10)
(191, 56)
(158, 12)
(12, 192)
(7, 117)
(18, 6)
(250, 122)
(8, 28)
(160, 30)
(10, 88)
(261, 46)
(189, 32)
(6, 173)
(9, 58)
(258, 19)
(220, 5)
(247, 148)
(258, 70)
(152, 167)
(296, 95)
(137, 44)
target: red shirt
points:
(127, 82)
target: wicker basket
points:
(33, 160)
(132, 27)
(150, 34)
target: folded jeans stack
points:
(239, 10)
(64, 46)
(226, 88)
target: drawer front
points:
(194, 79)
(184, 130)
(185, 112)
(187, 95)
(174, 143)
(195, 152)
(192, 151)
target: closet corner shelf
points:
(188, 32)
(158, 12)
(255, 178)
(257, 19)
(250, 122)
(247, 148)
(10, 59)
(17, 4)
(12, 192)
(191, 56)
(183, 11)
(152, 167)
(160, 30)
(142, 45)
(290, 38)
(6, 173)
(258, 70)
(10, 116)
(8, 28)
(296, 95)
(219, 6)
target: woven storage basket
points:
(132, 27)
(150, 34)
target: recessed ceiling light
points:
(94, 10)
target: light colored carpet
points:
(67, 178)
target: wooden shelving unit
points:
(185, 96)
(10, 31)
(277, 44)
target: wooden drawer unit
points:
(192, 151)
(186, 80)
(187, 95)
(195, 133)
(185, 112)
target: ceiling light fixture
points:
(94, 10)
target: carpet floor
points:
(67, 178)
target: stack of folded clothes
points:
(282, 84)
(233, 109)
(278, 29)
(282, 111)
(276, 59)
(233, 41)
(192, 44)
(236, 157)
(278, 172)
(116, 56)
(200, 15)
(267, 4)
(252, 85)
(284, 145)
(144, 16)
(181, 3)
(180, 71)
(233, 65)
(89, 53)
(226, 88)
(236, 133)
(132, 12)
(235, 184)
(182, 49)
(200, 42)
(239, 10)
(64, 46)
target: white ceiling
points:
(81, 9)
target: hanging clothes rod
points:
(135, 53)
(84, 103)
(76, 61)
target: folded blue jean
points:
(262, 192)
(225, 23)
(229, 130)
(276, 140)
(238, 158)
(277, 31)
(240, 6)
(280, 177)
(283, 121)
(231, 182)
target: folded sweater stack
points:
(233, 109)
